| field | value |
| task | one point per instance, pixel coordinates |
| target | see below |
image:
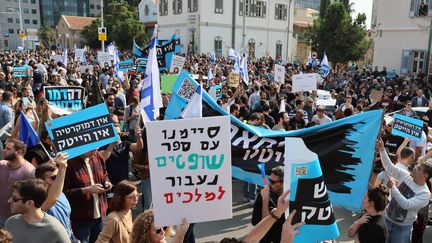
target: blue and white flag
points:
(324, 62)
(26, 132)
(113, 51)
(233, 54)
(84, 58)
(244, 69)
(65, 57)
(194, 106)
(210, 74)
(325, 67)
(212, 57)
(151, 98)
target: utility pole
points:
(429, 54)
(102, 25)
(21, 22)
(289, 30)
(243, 45)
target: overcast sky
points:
(363, 6)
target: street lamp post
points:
(192, 30)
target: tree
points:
(342, 38)
(48, 36)
(122, 25)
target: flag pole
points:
(45, 150)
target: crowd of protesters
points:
(89, 198)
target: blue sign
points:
(407, 127)
(82, 131)
(19, 72)
(218, 89)
(391, 74)
(125, 65)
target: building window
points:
(17, 21)
(219, 6)
(25, 1)
(91, 6)
(33, 1)
(253, 8)
(11, 31)
(418, 60)
(192, 6)
(218, 46)
(163, 7)
(146, 10)
(251, 46)
(10, 20)
(279, 49)
(26, 11)
(281, 11)
(26, 21)
(177, 6)
(413, 61)
(34, 11)
(98, 7)
(420, 8)
(35, 21)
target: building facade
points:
(52, 10)
(216, 25)
(95, 8)
(303, 19)
(312, 4)
(402, 35)
(69, 30)
(148, 11)
(12, 12)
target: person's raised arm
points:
(288, 230)
(56, 188)
(181, 230)
(138, 145)
(391, 169)
(403, 145)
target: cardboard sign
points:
(376, 95)
(126, 65)
(19, 72)
(167, 82)
(233, 80)
(303, 176)
(407, 127)
(177, 64)
(190, 164)
(279, 73)
(66, 99)
(56, 58)
(304, 82)
(104, 59)
(83, 68)
(79, 54)
(216, 92)
(82, 131)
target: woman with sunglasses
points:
(145, 231)
(118, 224)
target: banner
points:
(164, 52)
(65, 98)
(304, 82)
(190, 164)
(177, 64)
(126, 65)
(216, 92)
(19, 72)
(308, 196)
(343, 146)
(167, 82)
(79, 55)
(104, 59)
(82, 131)
(407, 127)
(279, 73)
(56, 58)
(83, 69)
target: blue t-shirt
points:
(61, 211)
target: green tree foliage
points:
(47, 35)
(343, 38)
(121, 21)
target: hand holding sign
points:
(288, 230)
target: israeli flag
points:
(244, 69)
(233, 54)
(65, 57)
(113, 51)
(325, 67)
(194, 107)
(212, 57)
(84, 58)
(151, 98)
(324, 62)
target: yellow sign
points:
(102, 34)
(21, 34)
(233, 80)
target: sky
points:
(363, 6)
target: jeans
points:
(398, 233)
(419, 225)
(146, 193)
(87, 232)
(249, 191)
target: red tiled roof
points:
(77, 22)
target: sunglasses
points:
(159, 230)
(53, 177)
(274, 182)
(16, 199)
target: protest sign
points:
(83, 68)
(190, 164)
(233, 80)
(125, 65)
(177, 64)
(376, 95)
(79, 54)
(391, 73)
(308, 196)
(324, 98)
(6, 128)
(167, 82)
(104, 59)
(68, 99)
(407, 127)
(56, 58)
(304, 82)
(279, 73)
(19, 72)
(82, 131)
(216, 92)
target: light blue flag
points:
(84, 58)
(244, 69)
(233, 54)
(151, 98)
(65, 57)
(194, 106)
(26, 132)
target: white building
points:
(148, 11)
(206, 25)
(402, 34)
(95, 8)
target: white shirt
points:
(96, 212)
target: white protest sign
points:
(190, 164)
(177, 64)
(56, 58)
(324, 98)
(79, 53)
(304, 82)
(104, 59)
(279, 73)
(83, 68)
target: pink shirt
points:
(8, 177)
